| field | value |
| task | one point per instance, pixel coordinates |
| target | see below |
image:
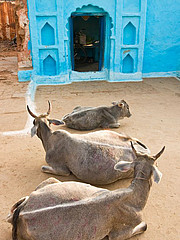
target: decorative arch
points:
(129, 34)
(47, 35)
(49, 66)
(89, 9)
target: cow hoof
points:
(46, 169)
(142, 227)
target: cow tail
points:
(15, 218)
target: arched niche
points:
(47, 35)
(49, 66)
(128, 64)
(129, 34)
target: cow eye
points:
(34, 121)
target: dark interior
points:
(86, 43)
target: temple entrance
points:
(87, 42)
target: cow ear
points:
(120, 105)
(55, 122)
(123, 166)
(114, 103)
(157, 174)
(34, 130)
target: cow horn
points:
(159, 154)
(32, 114)
(133, 148)
(49, 109)
(42, 115)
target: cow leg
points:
(62, 171)
(122, 234)
(47, 182)
(108, 119)
(105, 238)
(127, 232)
(114, 125)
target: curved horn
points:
(134, 150)
(49, 109)
(141, 144)
(32, 114)
(159, 154)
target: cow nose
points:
(130, 115)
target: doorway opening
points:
(87, 42)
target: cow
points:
(78, 211)
(88, 118)
(90, 157)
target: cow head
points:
(123, 107)
(42, 118)
(144, 165)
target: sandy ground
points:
(155, 107)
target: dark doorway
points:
(87, 42)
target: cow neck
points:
(45, 133)
(135, 195)
(117, 111)
(140, 190)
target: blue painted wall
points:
(162, 41)
(141, 39)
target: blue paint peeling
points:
(137, 40)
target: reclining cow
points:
(74, 211)
(90, 157)
(88, 118)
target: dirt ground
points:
(155, 108)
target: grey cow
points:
(78, 211)
(88, 118)
(90, 157)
